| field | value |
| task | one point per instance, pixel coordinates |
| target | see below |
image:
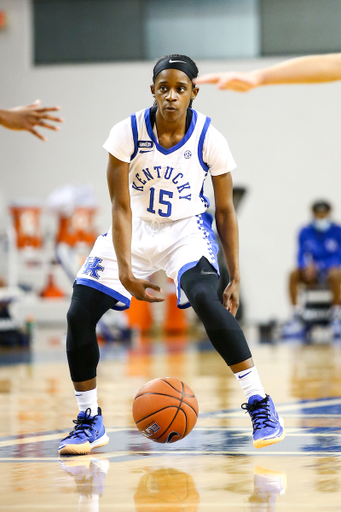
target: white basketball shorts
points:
(171, 246)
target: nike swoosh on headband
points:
(172, 61)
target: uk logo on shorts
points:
(92, 267)
(187, 154)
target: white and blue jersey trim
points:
(204, 222)
(108, 291)
(201, 144)
(135, 135)
(204, 198)
(182, 270)
(181, 143)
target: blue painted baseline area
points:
(128, 444)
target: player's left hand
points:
(231, 297)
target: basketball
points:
(165, 410)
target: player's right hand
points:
(138, 289)
(234, 80)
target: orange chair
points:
(77, 227)
(26, 221)
(139, 315)
(51, 290)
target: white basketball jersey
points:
(167, 184)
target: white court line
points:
(285, 415)
(183, 506)
(114, 455)
(308, 405)
(294, 434)
(238, 432)
(295, 406)
(48, 437)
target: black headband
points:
(176, 63)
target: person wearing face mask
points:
(319, 261)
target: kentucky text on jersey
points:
(168, 184)
(166, 173)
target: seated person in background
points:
(319, 260)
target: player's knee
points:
(295, 276)
(198, 296)
(81, 327)
(201, 297)
(71, 315)
(78, 314)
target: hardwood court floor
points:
(214, 468)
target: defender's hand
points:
(26, 118)
(138, 289)
(231, 297)
(234, 80)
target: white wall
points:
(285, 141)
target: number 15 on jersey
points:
(163, 194)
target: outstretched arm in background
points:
(26, 118)
(301, 70)
(118, 183)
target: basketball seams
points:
(156, 393)
(175, 415)
(155, 412)
(146, 403)
(185, 434)
(189, 396)
(189, 405)
(170, 396)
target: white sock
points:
(86, 400)
(250, 382)
(336, 312)
(296, 310)
(88, 502)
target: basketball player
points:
(312, 69)
(26, 118)
(158, 161)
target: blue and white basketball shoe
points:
(268, 427)
(89, 433)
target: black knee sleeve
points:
(200, 285)
(86, 308)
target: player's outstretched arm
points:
(227, 227)
(301, 70)
(26, 118)
(234, 80)
(118, 183)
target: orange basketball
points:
(165, 410)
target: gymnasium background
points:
(286, 140)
